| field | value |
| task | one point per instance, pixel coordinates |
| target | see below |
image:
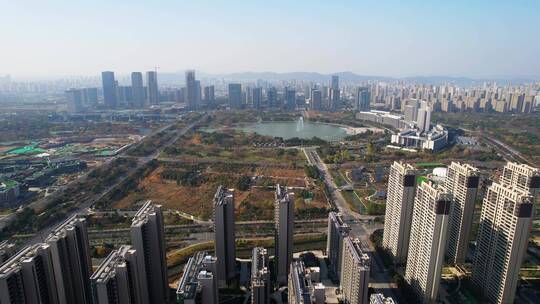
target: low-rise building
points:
(9, 192)
(435, 140)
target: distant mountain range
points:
(343, 76)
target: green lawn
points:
(338, 178)
(354, 203)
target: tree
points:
(243, 183)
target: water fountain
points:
(300, 124)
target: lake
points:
(301, 129)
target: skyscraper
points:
(337, 231)
(505, 221)
(334, 98)
(428, 238)
(523, 177)
(316, 99)
(91, 96)
(137, 88)
(125, 96)
(363, 99)
(118, 279)
(290, 98)
(257, 97)
(334, 84)
(354, 281)
(271, 96)
(334, 93)
(152, 88)
(198, 283)
(109, 89)
(28, 277)
(147, 238)
(423, 119)
(191, 90)
(74, 100)
(300, 288)
(410, 113)
(209, 96)
(235, 95)
(198, 93)
(462, 181)
(284, 225)
(399, 208)
(261, 286)
(224, 239)
(70, 254)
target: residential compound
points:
(399, 209)
(56, 271)
(490, 97)
(70, 254)
(29, 277)
(431, 221)
(505, 223)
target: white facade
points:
(435, 139)
(505, 221)
(355, 269)
(399, 207)
(337, 230)
(428, 238)
(523, 177)
(462, 181)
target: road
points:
(360, 228)
(507, 151)
(83, 208)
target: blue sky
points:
(389, 38)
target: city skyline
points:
(480, 40)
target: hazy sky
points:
(41, 38)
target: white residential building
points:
(399, 208)
(428, 238)
(462, 181)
